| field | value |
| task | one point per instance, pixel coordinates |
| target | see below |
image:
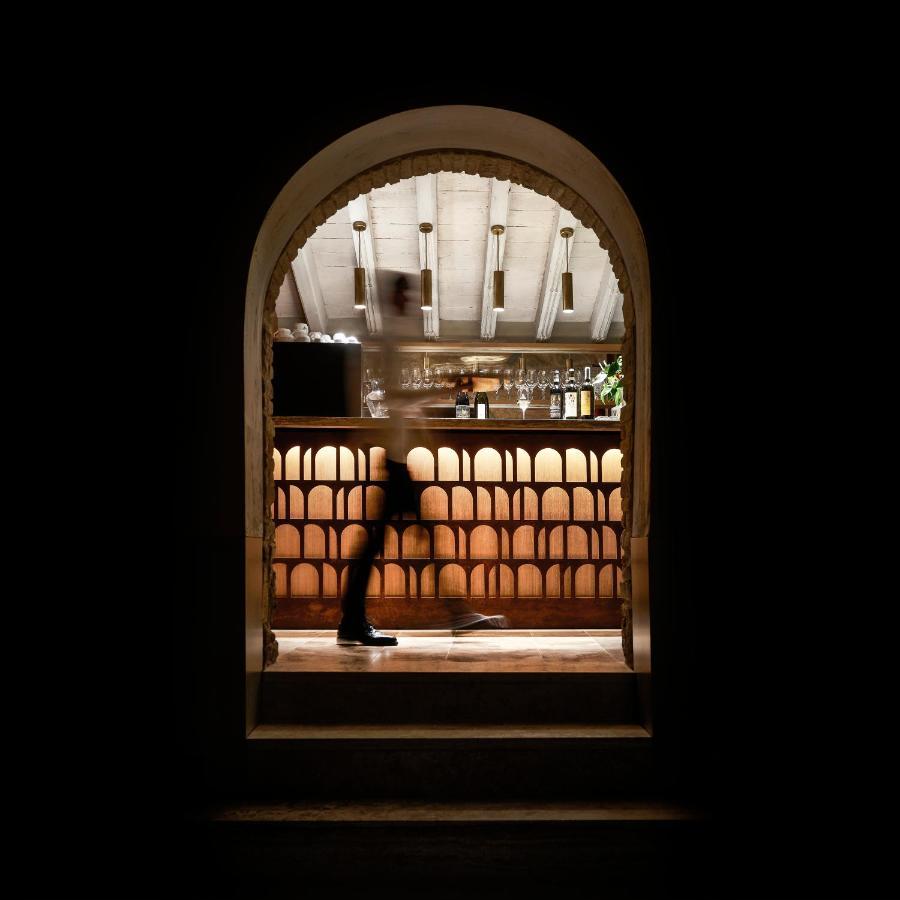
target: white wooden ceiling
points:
(462, 254)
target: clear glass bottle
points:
(556, 397)
(570, 397)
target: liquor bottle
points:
(556, 397)
(462, 405)
(586, 396)
(570, 397)
(599, 380)
(482, 407)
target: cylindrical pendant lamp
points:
(359, 273)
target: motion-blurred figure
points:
(399, 494)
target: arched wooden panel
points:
(314, 542)
(488, 465)
(606, 581)
(555, 548)
(428, 580)
(326, 464)
(354, 503)
(444, 542)
(296, 498)
(413, 578)
(492, 581)
(555, 504)
(530, 581)
(304, 581)
(391, 543)
(504, 543)
(287, 541)
(517, 504)
(578, 543)
(542, 543)
(483, 543)
(567, 582)
(420, 462)
(584, 580)
(466, 466)
(477, 581)
(461, 543)
(548, 465)
(582, 504)
(611, 465)
(307, 466)
(448, 464)
(452, 581)
(595, 467)
(292, 464)
(523, 465)
(394, 581)
(377, 464)
(333, 547)
(609, 543)
(373, 588)
(595, 544)
(339, 504)
(416, 542)
(601, 506)
(280, 570)
(618, 581)
(353, 541)
(462, 503)
(276, 460)
(615, 505)
(529, 504)
(346, 463)
(507, 582)
(282, 504)
(501, 503)
(523, 542)
(552, 588)
(362, 472)
(576, 466)
(319, 502)
(374, 501)
(329, 581)
(509, 466)
(483, 501)
(434, 503)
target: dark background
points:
(756, 715)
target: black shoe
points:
(364, 634)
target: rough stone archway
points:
(599, 204)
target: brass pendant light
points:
(426, 228)
(497, 230)
(359, 273)
(568, 297)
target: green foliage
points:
(611, 393)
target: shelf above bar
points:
(474, 347)
(448, 424)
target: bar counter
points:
(519, 518)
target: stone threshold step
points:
(446, 732)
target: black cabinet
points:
(316, 379)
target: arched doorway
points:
(475, 140)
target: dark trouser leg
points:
(399, 498)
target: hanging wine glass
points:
(524, 401)
(530, 381)
(427, 378)
(543, 382)
(508, 382)
(404, 379)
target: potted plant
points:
(611, 392)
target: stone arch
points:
(477, 140)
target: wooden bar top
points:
(450, 424)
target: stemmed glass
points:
(530, 381)
(427, 378)
(520, 382)
(543, 382)
(404, 378)
(507, 383)
(524, 401)
(416, 378)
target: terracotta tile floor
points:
(507, 650)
